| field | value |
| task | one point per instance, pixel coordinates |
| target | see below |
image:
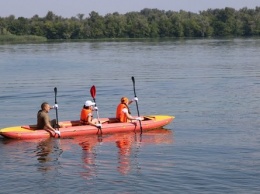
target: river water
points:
(211, 86)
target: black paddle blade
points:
(133, 79)
(55, 91)
(93, 91)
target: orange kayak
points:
(74, 128)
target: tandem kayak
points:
(74, 128)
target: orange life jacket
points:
(84, 115)
(120, 115)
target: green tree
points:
(137, 25)
(97, 25)
(144, 24)
(177, 23)
(115, 26)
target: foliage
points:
(148, 23)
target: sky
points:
(70, 8)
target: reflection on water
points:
(128, 147)
(48, 152)
(43, 151)
(88, 155)
(124, 145)
(80, 160)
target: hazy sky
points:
(69, 8)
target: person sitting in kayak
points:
(86, 116)
(43, 119)
(123, 113)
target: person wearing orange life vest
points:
(86, 116)
(123, 113)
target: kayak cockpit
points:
(74, 123)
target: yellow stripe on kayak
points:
(160, 117)
(15, 129)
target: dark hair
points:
(43, 105)
(85, 107)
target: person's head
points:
(45, 106)
(124, 100)
(89, 103)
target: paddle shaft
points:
(57, 121)
(133, 79)
(97, 110)
(93, 94)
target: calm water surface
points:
(212, 86)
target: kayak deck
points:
(74, 128)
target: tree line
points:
(148, 23)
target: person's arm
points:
(90, 122)
(48, 124)
(130, 117)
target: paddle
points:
(133, 79)
(57, 122)
(93, 94)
